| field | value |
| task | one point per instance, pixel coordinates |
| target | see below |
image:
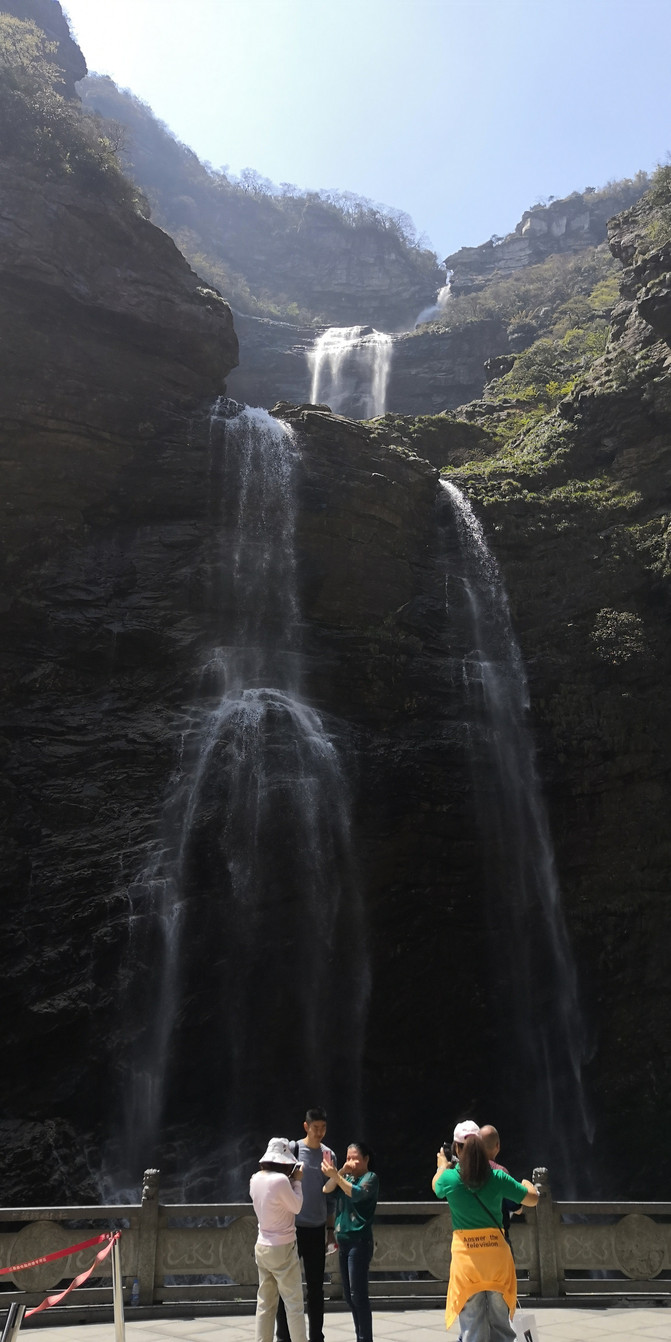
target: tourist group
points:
(307, 1208)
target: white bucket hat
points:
(279, 1152)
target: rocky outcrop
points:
(345, 275)
(101, 312)
(641, 239)
(568, 225)
(434, 370)
(273, 361)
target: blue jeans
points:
(485, 1318)
(354, 1263)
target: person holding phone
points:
(277, 1195)
(357, 1190)
(314, 1223)
(483, 1283)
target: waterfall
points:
(350, 368)
(247, 925)
(524, 913)
(442, 300)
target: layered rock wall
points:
(111, 346)
(564, 226)
(430, 370)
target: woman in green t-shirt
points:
(357, 1193)
(483, 1284)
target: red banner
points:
(62, 1253)
(83, 1276)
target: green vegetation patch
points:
(533, 298)
(657, 231)
(441, 439)
(618, 636)
(542, 445)
(41, 126)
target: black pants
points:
(311, 1241)
(354, 1263)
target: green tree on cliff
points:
(39, 125)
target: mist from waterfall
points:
(248, 915)
(548, 1046)
(350, 367)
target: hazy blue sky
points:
(461, 112)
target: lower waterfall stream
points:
(247, 923)
(548, 1048)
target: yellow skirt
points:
(481, 1261)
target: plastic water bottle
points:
(135, 1293)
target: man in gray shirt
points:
(311, 1228)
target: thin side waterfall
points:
(246, 927)
(436, 309)
(548, 1048)
(350, 368)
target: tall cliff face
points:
(108, 614)
(115, 352)
(579, 514)
(103, 323)
(111, 346)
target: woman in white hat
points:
(277, 1195)
(483, 1283)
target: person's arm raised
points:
(532, 1193)
(442, 1163)
(329, 1169)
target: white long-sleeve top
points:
(276, 1202)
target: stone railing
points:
(204, 1254)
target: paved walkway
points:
(633, 1324)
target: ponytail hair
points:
(474, 1167)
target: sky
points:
(462, 113)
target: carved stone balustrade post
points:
(148, 1237)
(551, 1275)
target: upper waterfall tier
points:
(350, 368)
